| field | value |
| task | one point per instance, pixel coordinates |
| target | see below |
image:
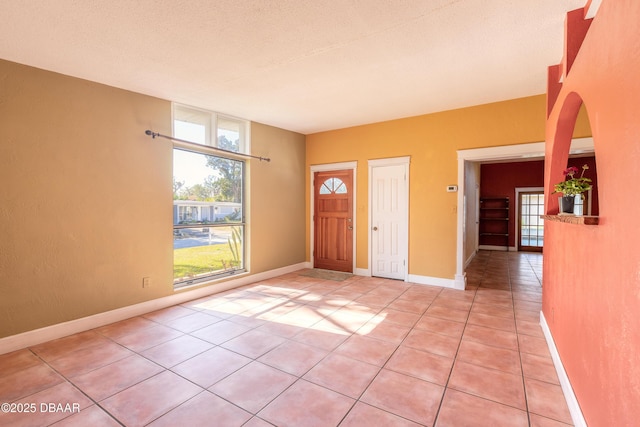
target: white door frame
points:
(517, 212)
(312, 230)
(405, 221)
(508, 152)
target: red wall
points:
(591, 290)
(591, 173)
(501, 179)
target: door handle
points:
(350, 228)
(375, 228)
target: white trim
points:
(48, 333)
(325, 168)
(494, 248)
(460, 282)
(505, 152)
(362, 272)
(569, 395)
(498, 248)
(432, 281)
(391, 161)
(334, 166)
(471, 257)
(508, 152)
(594, 6)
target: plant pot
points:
(566, 204)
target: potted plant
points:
(571, 187)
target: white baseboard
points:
(460, 282)
(471, 257)
(433, 281)
(492, 248)
(569, 395)
(362, 272)
(498, 248)
(48, 333)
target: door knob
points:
(350, 228)
(375, 228)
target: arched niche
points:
(564, 152)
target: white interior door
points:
(389, 219)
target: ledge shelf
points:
(573, 219)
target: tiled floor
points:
(299, 351)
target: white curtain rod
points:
(192, 146)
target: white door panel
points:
(389, 221)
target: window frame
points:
(211, 120)
(209, 149)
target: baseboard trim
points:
(460, 282)
(471, 257)
(48, 333)
(493, 248)
(569, 395)
(433, 281)
(362, 272)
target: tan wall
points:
(431, 141)
(276, 222)
(85, 200)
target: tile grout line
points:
(455, 359)
(72, 384)
(515, 320)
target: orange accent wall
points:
(431, 141)
(591, 298)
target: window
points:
(208, 128)
(333, 186)
(531, 225)
(208, 196)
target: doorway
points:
(530, 226)
(466, 187)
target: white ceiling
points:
(302, 65)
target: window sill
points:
(572, 219)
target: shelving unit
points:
(494, 221)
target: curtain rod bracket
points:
(152, 134)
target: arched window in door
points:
(333, 186)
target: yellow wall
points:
(431, 141)
(86, 198)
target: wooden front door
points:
(333, 220)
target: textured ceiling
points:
(303, 65)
